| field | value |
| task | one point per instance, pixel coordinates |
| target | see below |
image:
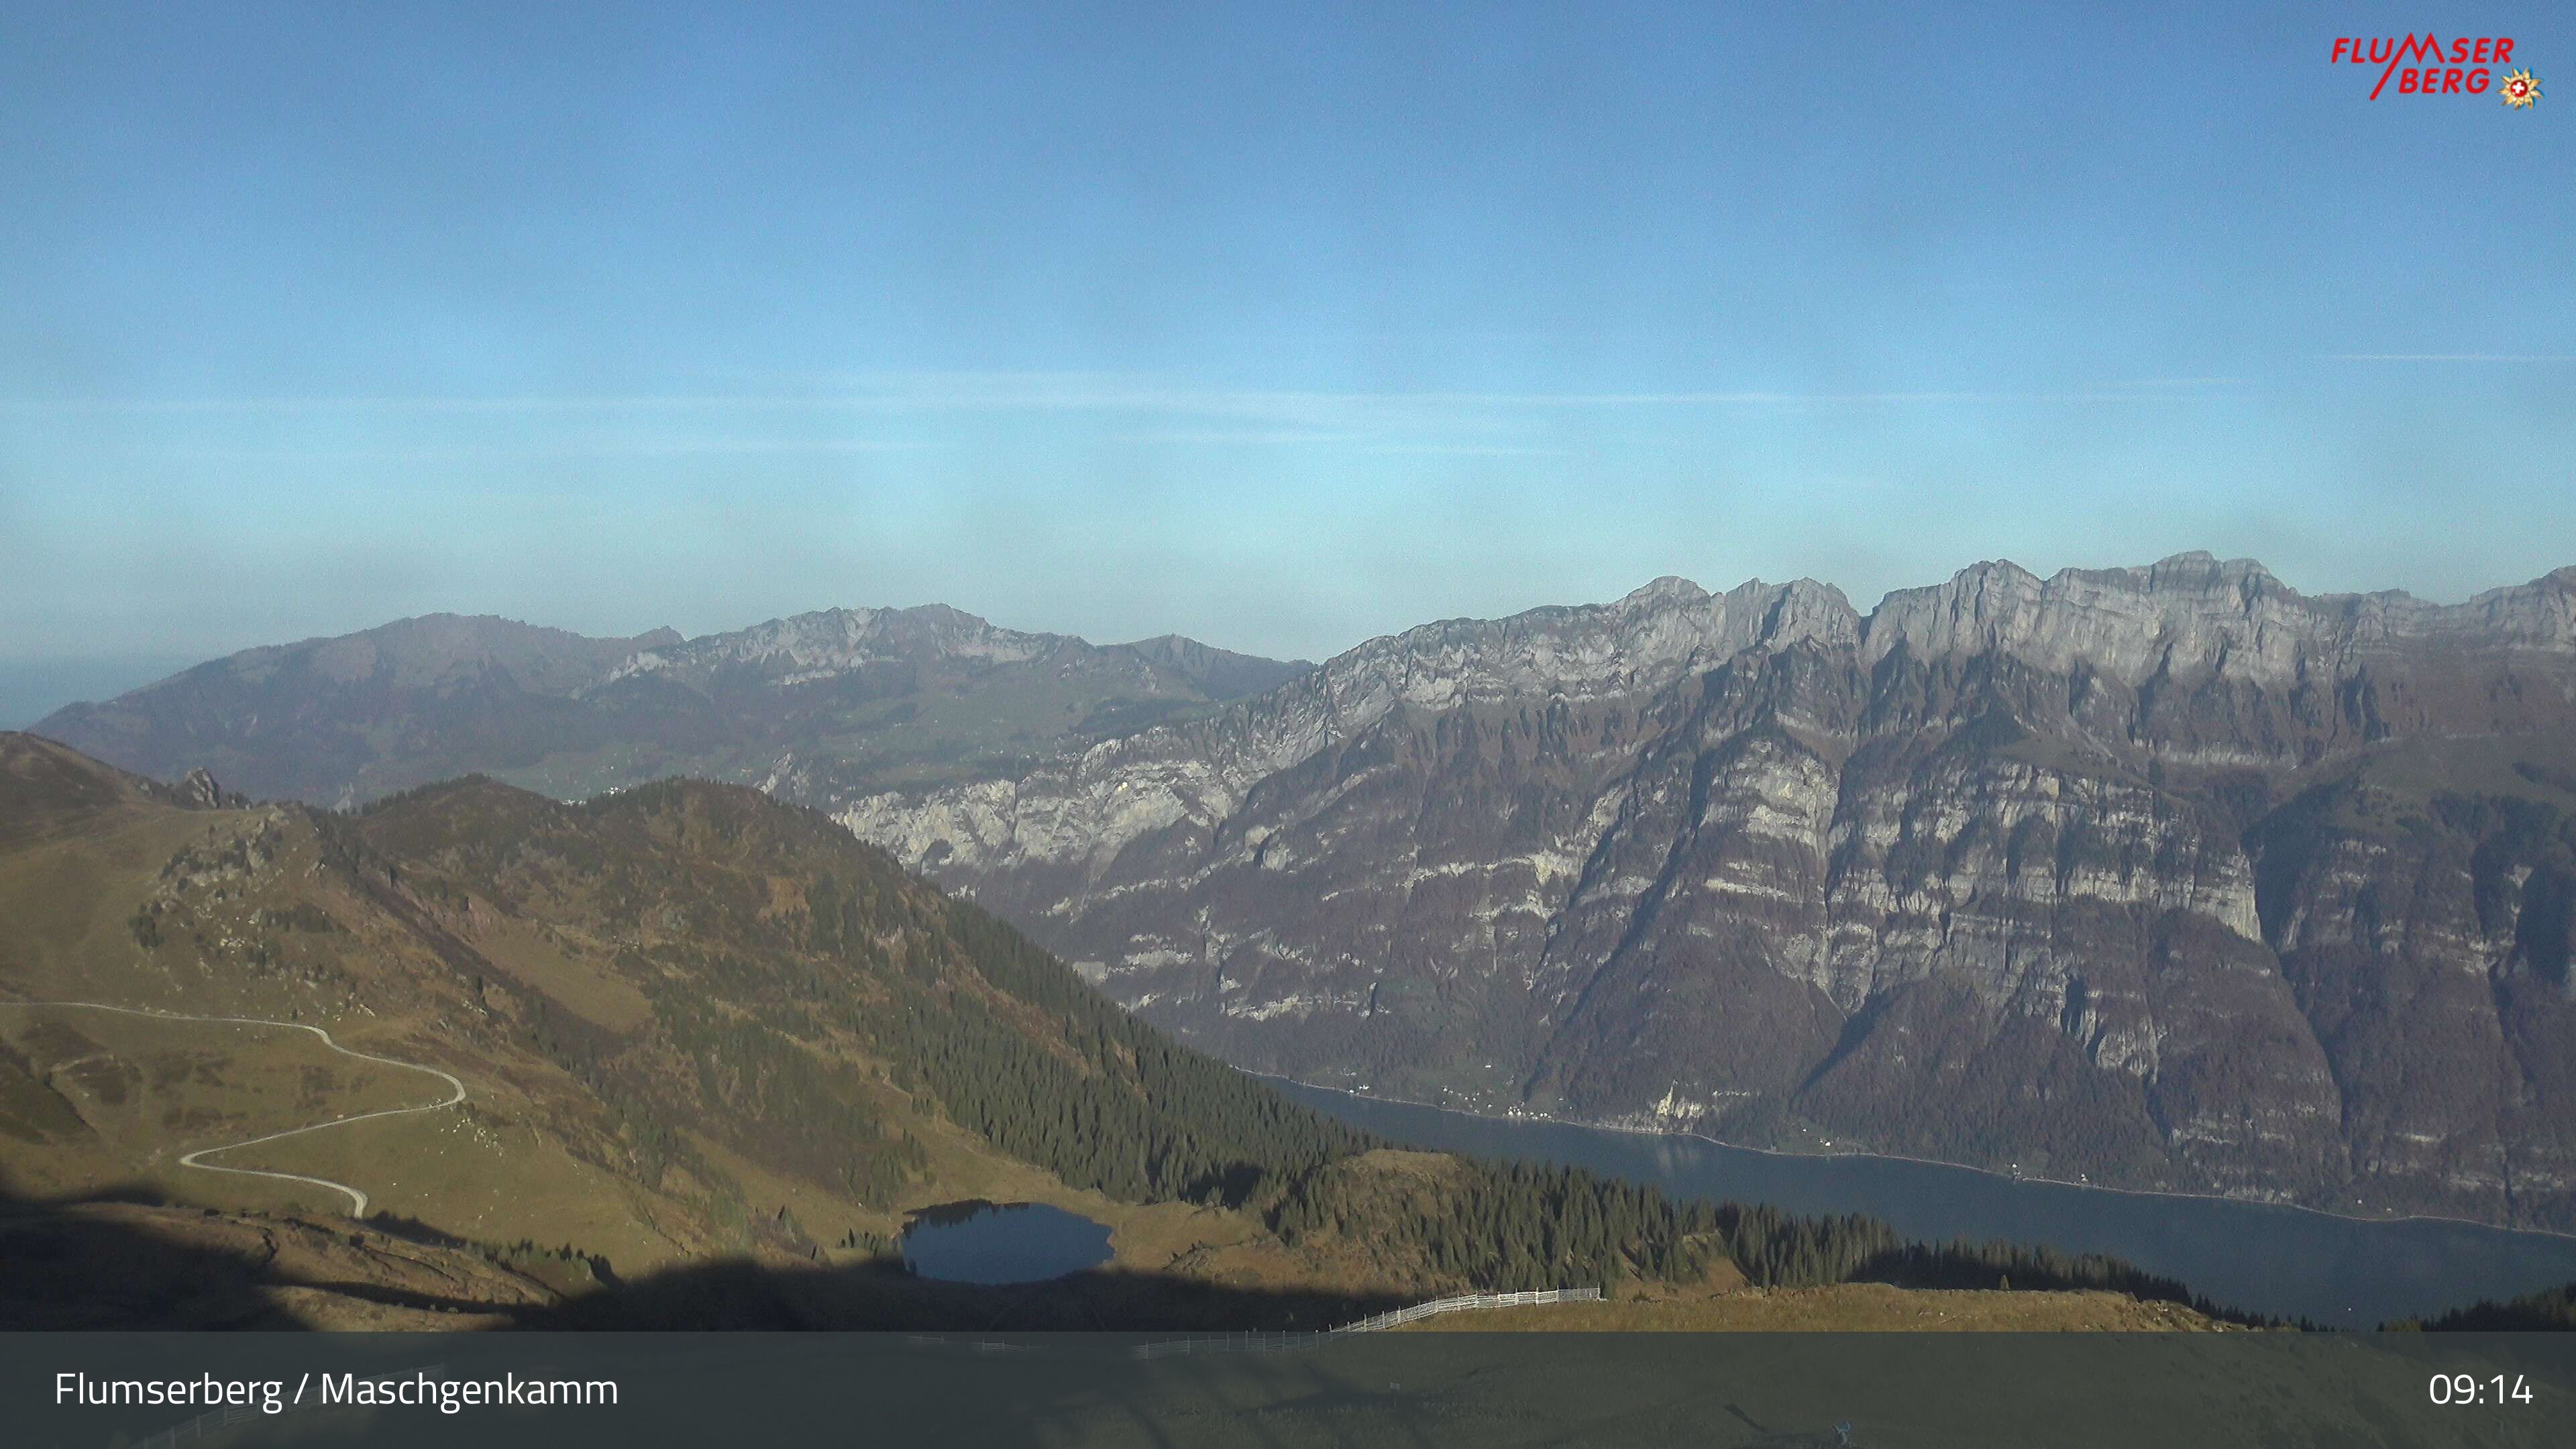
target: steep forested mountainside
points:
(2164, 876)
(688, 1019)
(685, 1021)
(833, 702)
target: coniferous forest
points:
(2551, 1310)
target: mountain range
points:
(855, 699)
(2165, 877)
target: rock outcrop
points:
(2165, 876)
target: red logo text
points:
(2424, 66)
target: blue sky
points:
(1279, 326)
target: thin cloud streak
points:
(1259, 438)
(2448, 357)
(1386, 424)
(1146, 400)
(1466, 451)
(710, 448)
(1455, 423)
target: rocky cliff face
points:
(2167, 876)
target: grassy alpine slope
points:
(697, 1026)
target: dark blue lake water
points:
(1019, 1242)
(2339, 1272)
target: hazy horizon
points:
(1281, 331)
(32, 689)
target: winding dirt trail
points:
(357, 1198)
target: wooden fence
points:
(1276, 1342)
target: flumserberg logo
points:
(2423, 66)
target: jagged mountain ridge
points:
(2230, 621)
(2169, 876)
(845, 698)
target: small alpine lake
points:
(1016, 1242)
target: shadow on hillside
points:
(973, 1365)
(127, 1259)
(735, 1294)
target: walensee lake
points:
(2335, 1271)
